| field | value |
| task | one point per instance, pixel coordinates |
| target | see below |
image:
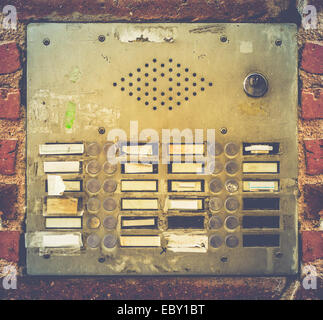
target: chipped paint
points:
(148, 34)
(70, 115)
(253, 108)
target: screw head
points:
(101, 38)
(101, 130)
(223, 38)
(46, 42)
(278, 42)
(223, 130)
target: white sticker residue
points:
(56, 186)
(246, 47)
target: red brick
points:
(8, 200)
(141, 10)
(312, 245)
(7, 156)
(9, 103)
(9, 57)
(9, 245)
(312, 104)
(314, 156)
(312, 59)
(313, 195)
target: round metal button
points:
(110, 241)
(231, 222)
(215, 149)
(255, 85)
(231, 167)
(109, 185)
(109, 204)
(93, 222)
(232, 204)
(231, 241)
(214, 166)
(110, 222)
(93, 240)
(215, 204)
(93, 186)
(109, 168)
(215, 241)
(93, 167)
(93, 204)
(231, 149)
(232, 185)
(215, 222)
(215, 185)
(93, 149)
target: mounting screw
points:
(223, 39)
(46, 256)
(101, 38)
(46, 42)
(278, 255)
(223, 130)
(101, 130)
(101, 260)
(278, 42)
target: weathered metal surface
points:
(75, 86)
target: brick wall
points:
(12, 127)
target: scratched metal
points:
(75, 87)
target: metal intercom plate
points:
(85, 216)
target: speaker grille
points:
(163, 84)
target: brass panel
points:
(85, 79)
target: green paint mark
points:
(70, 115)
(75, 74)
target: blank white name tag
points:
(195, 167)
(138, 168)
(63, 223)
(185, 204)
(139, 204)
(189, 149)
(187, 243)
(57, 148)
(146, 150)
(139, 185)
(62, 240)
(260, 167)
(62, 166)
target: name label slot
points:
(260, 167)
(62, 166)
(61, 149)
(260, 148)
(260, 240)
(63, 223)
(140, 241)
(261, 203)
(186, 168)
(185, 185)
(139, 223)
(186, 222)
(139, 185)
(186, 204)
(139, 204)
(186, 149)
(138, 168)
(260, 186)
(62, 206)
(193, 243)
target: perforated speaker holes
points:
(159, 84)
